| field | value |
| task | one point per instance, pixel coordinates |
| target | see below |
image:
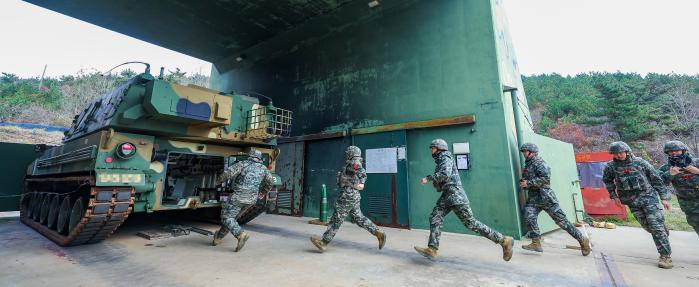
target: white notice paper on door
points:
(381, 160)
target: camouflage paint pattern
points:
(158, 118)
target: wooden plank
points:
(458, 120)
(310, 137)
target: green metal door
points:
(289, 166)
(13, 168)
(385, 196)
(323, 159)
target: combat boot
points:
(320, 244)
(429, 252)
(507, 243)
(217, 238)
(665, 262)
(242, 238)
(381, 236)
(585, 245)
(534, 246)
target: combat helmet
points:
(353, 151)
(254, 153)
(675, 145)
(530, 147)
(439, 144)
(619, 146)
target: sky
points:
(550, 36)
(570, 37)
(33, 37)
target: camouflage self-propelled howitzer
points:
(148, 145)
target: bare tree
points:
(683, 109)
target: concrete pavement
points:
(280, 254)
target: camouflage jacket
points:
(686, 184)
(634, 181)
(446, 179)
(538, 176)
(351, 174)
(246, 178)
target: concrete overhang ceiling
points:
(215, 31)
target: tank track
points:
(69, 221)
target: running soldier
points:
(249, 180)
(447, 181)
(351, 181)
(633, 181)
(536, 179)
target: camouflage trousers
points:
(348, 204)
(531, 214)
(690, 207)
(652, 220)
(229, 215)
(464, 213)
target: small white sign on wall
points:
(462, 161)
(401, 153)
(462, 148)
(381, 160)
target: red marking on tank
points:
(108, 159)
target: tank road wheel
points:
(54, 206)
(24, 204)
(90, 216)
(63, 215)
(76, 213)
(37, 206)
(30, 204)
(45, 206)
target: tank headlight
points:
(126, 150)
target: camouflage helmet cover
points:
(353, 151)
(674, 145)
(619, 146)
(439, 144)
(253, 152)
(530, 147)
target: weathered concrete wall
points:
(416, 60)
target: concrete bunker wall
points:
(409, 61)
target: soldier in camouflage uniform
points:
(350, 180)
(633, 181)
(249, 180)
(536, 178)
(681, 171)
(447, 181)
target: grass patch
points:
(29, 136)
(674, 218)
